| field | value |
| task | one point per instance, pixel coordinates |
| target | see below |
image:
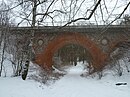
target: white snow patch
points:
(16, 87)
(71, 85)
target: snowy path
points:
(71, 85)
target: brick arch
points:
(45, 58)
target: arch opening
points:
(45, 59)
(71, 55)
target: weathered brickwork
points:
(99, 41)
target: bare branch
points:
(47, 10)
(94, 9)
(105, 6)
(118, 17)
(112, 10)
(78, 9)
(102, 13)
(51, 12)
(82, 17)
(41, 2)
(14, 6)
(26, 18)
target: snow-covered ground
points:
(71, 85)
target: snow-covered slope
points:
(71, 85)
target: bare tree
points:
(126, 20)
(120, 53)
(66, 12)
(4, 23)
(62, 12)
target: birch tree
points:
(4, 23)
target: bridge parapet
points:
(82, 29)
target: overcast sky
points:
(114, 7)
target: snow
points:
(8, 71)
(16, 87)
(70, 85)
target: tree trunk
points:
(34, 13)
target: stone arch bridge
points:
(98, 40)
